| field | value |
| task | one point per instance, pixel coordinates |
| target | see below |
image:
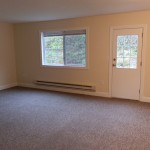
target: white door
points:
(126, 61)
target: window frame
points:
(64, 66)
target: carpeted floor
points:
(43, 120)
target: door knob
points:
(114, 59)
(114, 65)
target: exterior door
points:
(126, 61)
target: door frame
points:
(144, 27)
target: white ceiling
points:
(42, 10)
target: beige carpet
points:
(43, 120)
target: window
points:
(127, 51)
(64, 48)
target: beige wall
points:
(7, 56)
(27, 45)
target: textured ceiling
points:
(43, 10)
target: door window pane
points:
(119, 62)
(133, 62)
(127, 51)
(134, 51)
(126, 62)
(119, 51)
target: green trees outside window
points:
(64, 49)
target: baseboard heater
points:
(66, 85)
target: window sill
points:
(65, 66)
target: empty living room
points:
(74, 75)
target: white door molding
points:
(144, 27)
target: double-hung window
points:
(64, 48)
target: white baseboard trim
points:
(100, 94)
(145, 99)
(6, 86)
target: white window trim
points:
(65, 66)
